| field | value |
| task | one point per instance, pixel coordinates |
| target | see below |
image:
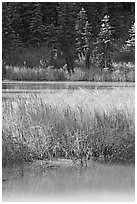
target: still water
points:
(62, 85)
(66, 181)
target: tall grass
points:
(77, 125)
(35, 74)
(121, 72)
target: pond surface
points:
(62, 85)
(65, 181)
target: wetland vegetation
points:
(63, 124)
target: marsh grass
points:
(35, 74)
(121, 72)
(79, 125)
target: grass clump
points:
(63, 126)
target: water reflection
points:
(102, 181)
(42, 86)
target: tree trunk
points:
(70, 61)
(105, 61)
(3, 70)
(87, 59)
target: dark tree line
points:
(92, 30)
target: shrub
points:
(125, 57)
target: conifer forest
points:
(67, 37)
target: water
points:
(62, 85)
(67, 181)
(42, 86)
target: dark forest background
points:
(58, 33)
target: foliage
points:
(37, 29)
(63, 125)
(124, 56)
(83, 37)
(82, 31)
(130, 43)
(67, 28)
(105, 43)
(66, 34)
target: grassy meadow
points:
(75, 124)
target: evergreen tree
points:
(130, 43)
(81, 32)
(83, 36)
(10, 37)
(65, 31)
(11, 41)
(24, 12)
(105, 42)
(36, 27)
